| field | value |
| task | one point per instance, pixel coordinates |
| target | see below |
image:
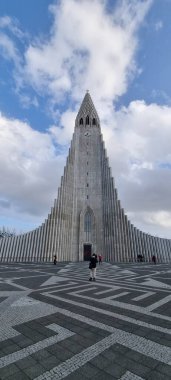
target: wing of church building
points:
(87, 216)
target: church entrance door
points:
(87, 252)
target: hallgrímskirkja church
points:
(87, 215)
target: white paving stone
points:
(143, 296)
(130, 376)
(156, 284)
(54, 280)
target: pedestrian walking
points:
(92, 267)
(54, 259)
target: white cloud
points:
(8, 49)
(63, 134)
(158, 25)
(30, 169)
(89, 48)
(11, 24)
(140, 157)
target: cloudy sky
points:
(51, 52)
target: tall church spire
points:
(87, 110)
(87, 215)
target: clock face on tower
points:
(87, 134)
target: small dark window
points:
(87, 120)
(87, 184)
(81, 121)
(87, 162)
(94, 121)
(87, 173)
(87, 196)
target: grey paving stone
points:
(12, 348)
(7, 371)
(60, 352)
(142, 359)
(18, 376)
(100, 362)
(89, 371)
(164, 369)
(165, 341)
(132, 366)
(25, 342)
(34, 371)
(75, 348)
(76, 376)
(110, 355)
(26, 362)
(50, 362)
(41, 355)
(104, 376)
(115, 370)
(157, 376)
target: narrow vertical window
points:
(94, 121)
(87, 120)
(81, 121)
(87, 222)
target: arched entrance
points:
(87, 249)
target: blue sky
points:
(51, 52)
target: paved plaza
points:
(55, 324)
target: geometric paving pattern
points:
(55, 324)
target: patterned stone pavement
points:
(55, 324)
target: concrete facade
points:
(87, 216)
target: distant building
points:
(87, 216)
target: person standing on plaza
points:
(92, 267)
(154, 259)
(54, 259)
(100, 259)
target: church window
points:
(87, 222)
(87, 184)
(94, 121)
(81, 121)
(87, 196)
(87, 120)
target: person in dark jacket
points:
(92, 267)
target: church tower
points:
(87, 216)
(87, 226)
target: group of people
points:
(140, 258)
(92, 266)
